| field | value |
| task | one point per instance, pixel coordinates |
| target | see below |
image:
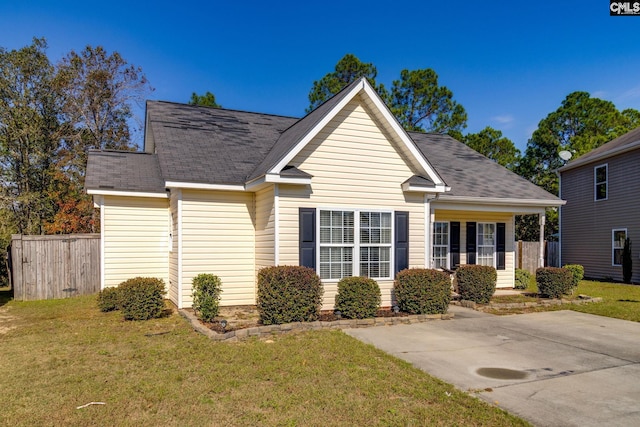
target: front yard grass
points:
(618, 300)
(61, 354)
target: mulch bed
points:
(325, 316)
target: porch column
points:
(428, 226)
(542, 218)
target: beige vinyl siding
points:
(587, 224)
(265, 220)
(506, 276)
(218, 237)
(136, 238)
(174, 255)
(354, 166)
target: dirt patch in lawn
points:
(6, 321)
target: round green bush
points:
(206, 290)
(288, 294)
(476, 283)
(141, 298)
(423, 291)
(357, 297)
(578, 274)
(109, 299)
(553, 282)
(522, 280)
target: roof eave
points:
(126, 193)
(499, 201)
(580, 161)
(422, 189)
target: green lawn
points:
(618, 300)
(58, 355)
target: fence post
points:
(16, 266)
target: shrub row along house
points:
(602, 190)
(344, 190)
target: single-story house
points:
(602, 190)
(344, 190)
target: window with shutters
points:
(441, 245)
(486, 242)
(618, 236)
(600, 176)
(367, 235)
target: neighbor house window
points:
(617, 244)
(345, 233)
(441, 245)
(600, 182)
(486, 244)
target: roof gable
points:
(295, 139)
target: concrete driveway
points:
(558, 368)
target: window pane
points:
(601, 174)
(386, 220)
(375, 219)
(617, 257)
(601, 191)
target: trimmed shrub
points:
(523, 278)
(553, 282)
(423, 291)
(288, 294)
(141, 298)
(358, 297)
(206, 290)
(476, 283)
(109, 299)
(577, 271)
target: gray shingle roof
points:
(605, 150)
(470, 174)
(123, 171)
(196, 144)
(211, 145)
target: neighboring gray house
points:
(602, 191)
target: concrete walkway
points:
(560, 368)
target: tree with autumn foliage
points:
(50, 116)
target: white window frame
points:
(479, 226)
(596, 183)
(355, 267)
(447, 246)
(614, 246)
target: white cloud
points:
(505, 121)
(599, 94)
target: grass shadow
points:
(628, 300)
(6, 295)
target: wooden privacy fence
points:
(58, 266)
(528, 253)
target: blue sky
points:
(508, 63)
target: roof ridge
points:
(221, 109)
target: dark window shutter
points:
(401, 246)
(454, 244)
(471, 243)
(500, 245)
(307, 232)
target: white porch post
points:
(542, 221)
(428, 225)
